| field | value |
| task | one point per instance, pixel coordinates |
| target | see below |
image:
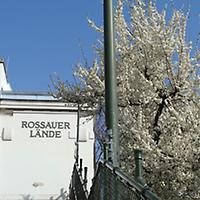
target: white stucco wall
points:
(4, 85)
(40, 166)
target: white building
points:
(37, 144)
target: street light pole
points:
(111, 103)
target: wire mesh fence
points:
(78, 189)
(108, 186)
(109, 183)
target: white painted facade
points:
(4, 85)
(37, 144)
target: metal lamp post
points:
(111, 104)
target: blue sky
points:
(41, 37)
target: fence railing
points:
(110, 183)
(78, 186)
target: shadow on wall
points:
(27, 197)
(63, 196)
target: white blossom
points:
(158, 91)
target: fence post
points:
(81, 166)
(77, 135)
(105, 150)
(85, 180)
(138, 166)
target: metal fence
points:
(78, 186)
(109, 183)
(112, 184)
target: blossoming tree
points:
(158, 89)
